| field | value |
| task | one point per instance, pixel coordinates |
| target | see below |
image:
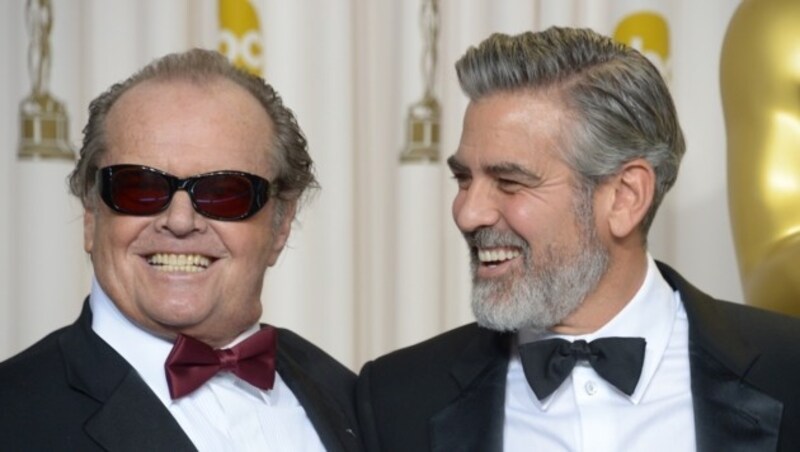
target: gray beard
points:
(544, 291)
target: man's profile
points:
(583, 341)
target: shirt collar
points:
(650, 314)
(145, 351)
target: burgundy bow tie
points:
(191, 362)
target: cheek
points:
(538, 223)
(111, 235)
(522, 215)
(248, 243)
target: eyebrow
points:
(456, 166)
(504, 169)
(509, 169)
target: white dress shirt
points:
(226, 413)
(586, 413)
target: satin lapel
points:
(328, 419)
(730, 414)
(474, 420)
(131, 418)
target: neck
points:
(624, 277)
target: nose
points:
(474, 207)
(180, 218)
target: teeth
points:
(497, 255)
(188, 263)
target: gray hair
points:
(620, 106)
(289, 151)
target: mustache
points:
(489, 238)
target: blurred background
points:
(374, 262)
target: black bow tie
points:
(547, 363)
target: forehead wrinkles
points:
(207, 102)
(160, 111)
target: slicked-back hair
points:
(288, 151)
(619, 106)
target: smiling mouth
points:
(497, 256)
(186, 263)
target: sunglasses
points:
(221, 195)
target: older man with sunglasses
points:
(190, 174)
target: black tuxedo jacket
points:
(73, 392)
(448, 393)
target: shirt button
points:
(590, 388)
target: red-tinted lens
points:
(139, 192)
(223, 195)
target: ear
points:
(88, 228)
(631, 195)
(282, 229)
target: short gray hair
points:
(620, 106)
(289, 151)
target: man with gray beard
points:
(543, 290)
(583, 341)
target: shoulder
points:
(770, 332)
(438, 351)
(41, 360)
(397, 394)
(295, 348)
(758, 319)
(299, 359)
(467, 350)
(714, 316)
(735, 333)
(37, 398)
(709, 316)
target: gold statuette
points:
(760, 79)
(424, 117)
(43, 119)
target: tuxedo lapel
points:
(130, 416)
(131, 420)
(730, 414)
(474, 420)
(330, 422)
